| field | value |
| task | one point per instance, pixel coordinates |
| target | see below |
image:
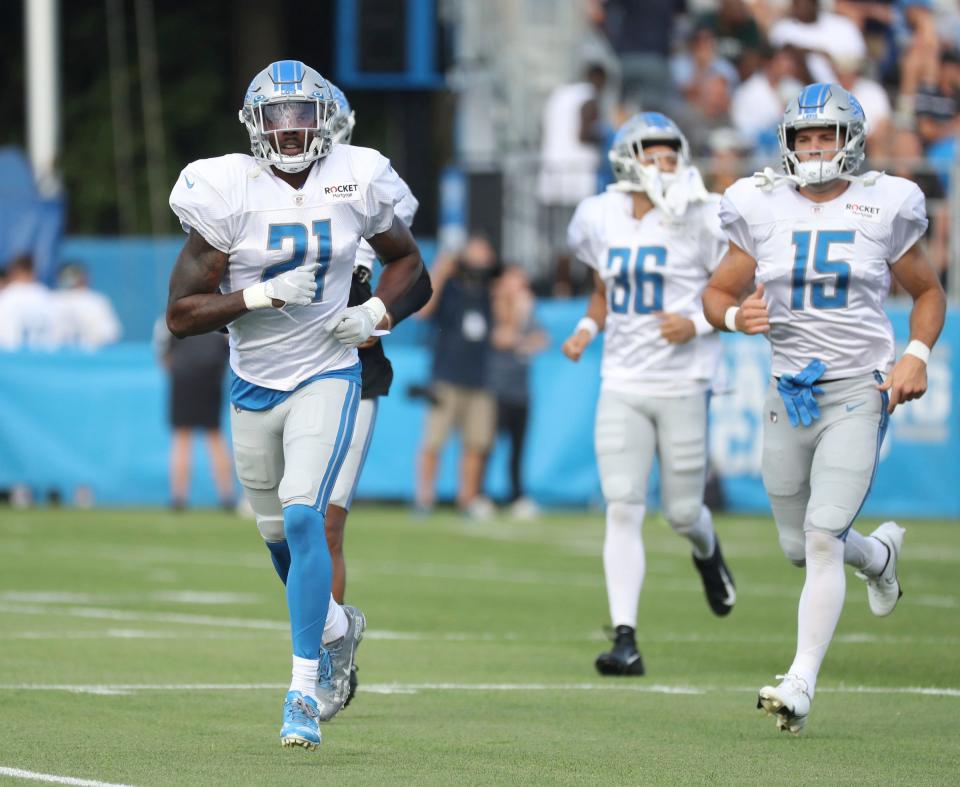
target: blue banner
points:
(99, 420)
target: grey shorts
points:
(346, 486)
(817, 477)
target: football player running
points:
(820, 243)
(652, 238)
(376, 376)
(270, 254)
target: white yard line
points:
(51, 778)
(413, 688)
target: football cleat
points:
(717, 582)
(300, 721)
(327, 704)
(341, 654)
(623, 658)
(353, 685)
(789, 702)
(883, 590)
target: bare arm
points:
(913, 272)
(730, 282)
(194, 304)
(400, 255)
(577, 342)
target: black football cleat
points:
(623, 658)
(717, 582)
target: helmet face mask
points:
(636, 166)
(287, 112)
(819, 107)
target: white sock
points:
(702, 537)
(821, 603)
(624, 563)
(305, 676)
(336, 625)
(865, 553)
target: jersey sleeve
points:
(406, 209)
(383, 193)
(909, 224)
(200, 204)
(713, 242)
(734, 225)
(582, 236)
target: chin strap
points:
(768, 180)
(686, 189)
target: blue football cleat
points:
(300, 721)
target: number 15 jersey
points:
(649, 265)
(825, 268)
(267, 227)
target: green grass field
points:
(145, 648)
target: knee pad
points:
(794, 548)
(828, 519)
(302, 524)
(683, 514)
(271, 529)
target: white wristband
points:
(589, 325)
(376, 308)
(255, 297)
(919, 350)
(730, 318)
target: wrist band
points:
(376, 308)
(919, 350)
(589, 325)
(730, 318)
(255, 297)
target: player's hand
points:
(293, 288)
(574, 346)
(385, 325)
(676, 329)
(354, 324)
(907, 381)
(752, 317)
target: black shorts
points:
(377, 372)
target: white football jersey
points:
(405, 210)
(825, 268)
(653, 264)
(267, 227)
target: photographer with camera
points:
(462, 315)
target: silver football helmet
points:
(341, 126)
(824, 105)
(633, 167)
(288, 96)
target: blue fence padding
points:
(134, 273)
(99, 420)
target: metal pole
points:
(120, 117)
(43, 93)
(152, 116)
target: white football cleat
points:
(789, 702)
(883, 590)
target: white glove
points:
(294, 288)
(355, 324)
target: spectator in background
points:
(758, 103)
(873, 99)
(575, 131)
(641, 32)
(461, 311)
(195, 365)
(29, 317)
(515, 339)
(698, 61)
(938, 109)
(727, 162)
(708, 111)
(820, 35)
(738, 35)
(88, 318)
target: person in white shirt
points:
(821, 34)
(652, 240)
(272, 244)
(821, 244)
(29, 316)
(88, 318)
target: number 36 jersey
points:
(825, 268)
(268, 227)
(650, 265)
